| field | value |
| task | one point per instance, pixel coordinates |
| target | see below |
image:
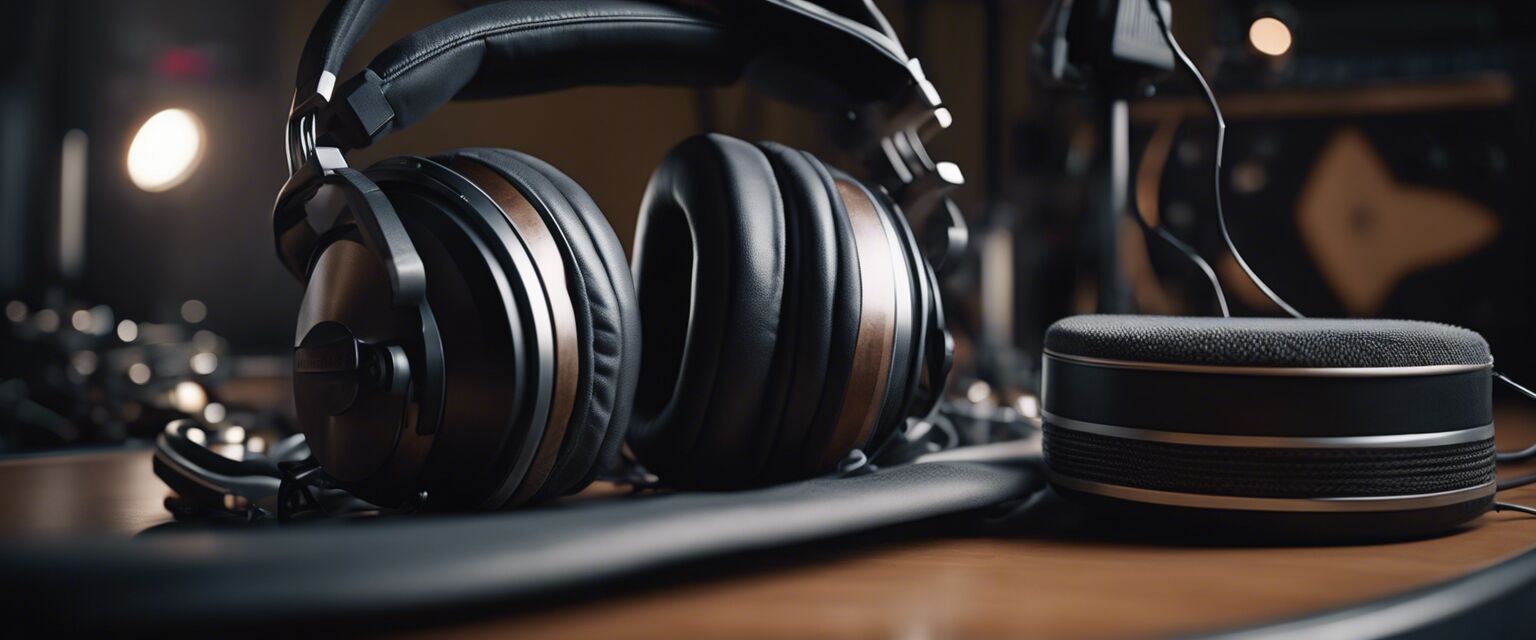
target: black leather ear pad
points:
(603, 301)
(709, 267)
(820, 330)
(805, 294)
(616, 328)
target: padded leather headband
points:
(530, 46)
(337, 30)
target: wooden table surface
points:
(925, 588)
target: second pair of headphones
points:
(471, 334)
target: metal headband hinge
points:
(922, 186)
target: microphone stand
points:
(1111, 50)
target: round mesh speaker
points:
(1360, 429)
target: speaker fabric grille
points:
(1268, 472)
(1267, 342)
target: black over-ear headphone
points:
(470, 331)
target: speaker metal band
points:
(1240, 503)
(1406, 440)
(1300, 372)
(1270, 405)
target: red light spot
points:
(180, 63)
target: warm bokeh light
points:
(81, 320)
(127, 331)
(978, 392)
(47, 320)
(1028, 405)
(204, 363)
(1270, 36)
(165, 150)
(194, 311)
(189, 397)
(84, 362)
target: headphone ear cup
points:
(913, 303)
(868, 350)
(768, 285)
(709, 267)
(606, 317)
(820, 318)
(616, 334)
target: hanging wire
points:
(1221, 143)
(1189, 252)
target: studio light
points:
(165, 150)
(1270, 36)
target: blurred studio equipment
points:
(1377, 176)
(130, 136)
(79, 375)
(1372, 169)
(125, 276)
(1112, 51)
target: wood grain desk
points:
(930, 588)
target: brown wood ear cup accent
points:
(530, 226)
(877, 325)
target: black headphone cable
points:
(1509, 506)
